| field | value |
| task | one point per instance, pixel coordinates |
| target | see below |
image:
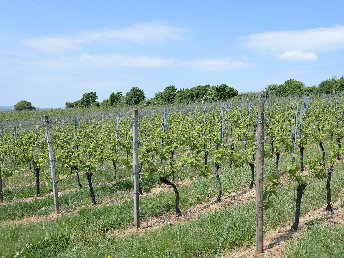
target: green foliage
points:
(194, 94)
(189, 137)
(87, 100)
(94, 232)
(288, 88)
(205, 93)
(72, 104)
(23, 105)
(311, 90)
(135, 96)
(220, 93)
(105, 103)
(332, 85)
(115, 99)
(166, 97)
(319, 240)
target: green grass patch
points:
(89, 232)
(320, 240)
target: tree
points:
(311, 90)
(340, 85)
(274, 90)
(72, 104)
(331, 85)
(167, 96)
(288, 88)
(115, 98)
(195, 94)
(220, 93)
(105, 103)
(135, 96)
(294, 87)
(183, 96)
(88, 99)
(23, 105)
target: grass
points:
(320, 240)
(202, 189)
(103, 219)
(89, 233)
(228, 228)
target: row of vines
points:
(208, 139)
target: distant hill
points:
(5, 108)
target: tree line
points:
(201, 93)
(170, 95)
(297, 88)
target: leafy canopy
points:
(23, 105)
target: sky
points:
(54, 51)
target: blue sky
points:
(54, 51)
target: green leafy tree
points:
(221, 92)
(311, 90)
(115, 98)
(331, 85)
(105, 103)
(182, 96)
(340, 85)
(23, 105)
(288, 88)
(294, 87)
(167, 96)
(274, 90)
(328, 86)
(195, 94)
(135, 96)
(88, 99)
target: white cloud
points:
(139, 33)
(297, 44)
(110, 60)
(52, 44)
(218, 64)
(121, 60)
(298, 55)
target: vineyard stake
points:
(52, 164)
(259, 177)
(136, 169)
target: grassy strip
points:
(16, 187)
(68, 202)
(320, 240)
(199, 238)
(203, 189)
(109, 218)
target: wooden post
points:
(136, 169)
(15, 133)
(117, 127)
(52, 164)
(259, 178)
(164, 124)
(222, 134)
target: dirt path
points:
(278, 240)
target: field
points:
(204, 155)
